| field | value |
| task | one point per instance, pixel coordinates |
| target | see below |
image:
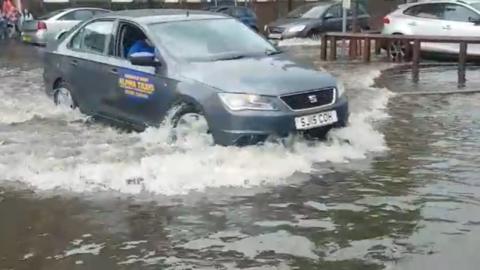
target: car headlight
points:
(239, 102)
(340, 89)
(296, 28)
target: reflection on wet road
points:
(402, 193)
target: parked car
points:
(243, 14)
(311, 20)
(46, 27)
(437, 18)
(207, 68)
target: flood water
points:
(397, 189)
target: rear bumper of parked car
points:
(35, 37)
(251, 127)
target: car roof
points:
(149, 16)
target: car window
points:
(335, 11)
(310, 11)
(361, 11)
(454, 12)
(428, 11)
(93, 37)
(242, 12)
(77, 15)
(98, 12)
(209, 40)
(51, 14)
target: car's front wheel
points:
(314, 35)
(63, 97)
(190, 126)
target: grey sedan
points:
(147, 67)
(46, 27)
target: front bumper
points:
(252, 127)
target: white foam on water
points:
(23, 97)
(280, 242)
(299, 42)
(54, 150)
(92, 249)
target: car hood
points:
(275, 75)
(288, 22)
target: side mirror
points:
(328, 16)
(144, 59)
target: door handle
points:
(412, 24)
(74, 62)
(114, 71)
(447, 27)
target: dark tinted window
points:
(335, 11)
(361, 11)
(311, 11)
(93, 37)
(453, 12)
(98, 12)
(78, 15)
(428, 11)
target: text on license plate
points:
(316, 120)
(27, 38)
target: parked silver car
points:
(439, 18)
(46, 27)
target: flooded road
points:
(397, 189)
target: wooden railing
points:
(360, 44)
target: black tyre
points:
(399, 50)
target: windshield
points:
(51, 14)
(313, 11)
(208, 40)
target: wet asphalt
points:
(411, 200)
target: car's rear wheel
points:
(190, 126)
(63, 97)
(399, 50)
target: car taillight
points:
(386, 20)
(41, 26)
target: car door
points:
(333, 18)
(425, 19)
(136, 94)
(460, 20)
(86, 66)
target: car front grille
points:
(310, 100)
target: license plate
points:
(27, 38)
(316, 120)
(275, 36)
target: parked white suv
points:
(439, 18)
